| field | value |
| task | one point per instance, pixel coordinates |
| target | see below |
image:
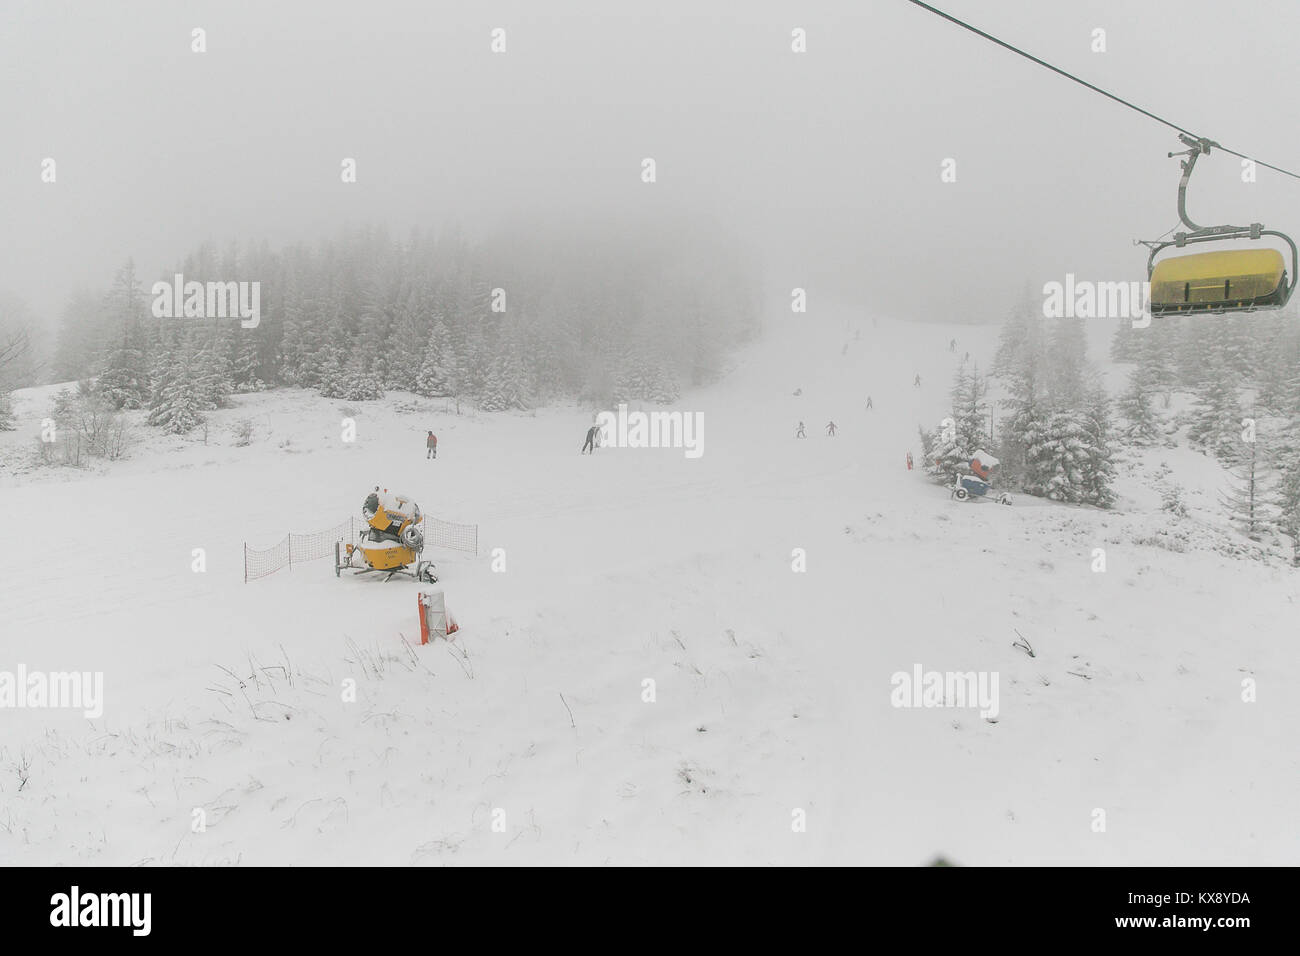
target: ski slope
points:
(528, 740)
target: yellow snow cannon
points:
(392, 541)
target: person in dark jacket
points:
(431, 443)
(592, 432)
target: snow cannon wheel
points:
(961, 494)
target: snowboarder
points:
(830, 429)
(592, 434)
(868, 403)
(798, 432)
(909, 461)
(917, 383)
(431, 444)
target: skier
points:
(798, 433)
(868, 403)
(909, 461)
(431, 443)
(967, 358)
(917, 383)
(592, 433)
(830, 429)
(952, 346)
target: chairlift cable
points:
(1096, 89)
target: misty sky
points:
(828, 161)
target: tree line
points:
(503, 324)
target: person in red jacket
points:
(431, 443)
(909, 461)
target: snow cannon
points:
(392, 541)
(978, 483)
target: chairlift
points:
(1240, 280)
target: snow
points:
(598, 573)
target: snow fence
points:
(296, 548)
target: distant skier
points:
(917, 383)
(830, 429)
(592, 434)
(909, 461)
(431, 444)
(952, 346)
(868, 403)
(967, 358)
(798, 432)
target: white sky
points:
(829, 161)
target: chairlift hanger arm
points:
(1199, 147)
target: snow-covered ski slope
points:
(529, 739)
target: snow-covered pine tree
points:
(663, 386)
(948, 450)
(353, 383)
(245, 362)
(1099, 468)
(177, 401)
(1286, 502)
(437, 364)
(328, 371)
(1216, 418)
(1067, 363)
(970, 410)
(1279, 372)
(511, 386)
(944, 458)
(214, 380)
(633, 381)
(1059, 459)
(1020, 363)
(1125, 344)
(1137, 406)
(124, 376)
(1247, 497)
(1020, 343)
(1193, 348)
(1234, 344)
(407, 359)
(124, 381)
(1155, 349)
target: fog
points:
(828, 162)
